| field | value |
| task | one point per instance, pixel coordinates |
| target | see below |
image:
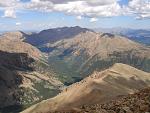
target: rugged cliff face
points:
(23, 84)
(10, 78)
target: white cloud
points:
(93, 19)
(9, 7)
(84, 8)
(9, 13)
(9, 3)
(79, 17)
(101, 2)
(45, 6)
(94, 2)
(35, 0)
(18, 23)
(140, 8)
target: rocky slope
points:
(13, 42)
(90, 51)
(25, 76)
(16, 35)
(138, 102)
(100, 87)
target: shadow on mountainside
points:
(53, 35)
(10, 80)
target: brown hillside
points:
(100, 87)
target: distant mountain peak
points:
(68, 28)
(13, 42)
(15, 35)
(109, 35)
(138, 35)
(55, 34)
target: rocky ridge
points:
(100, 87)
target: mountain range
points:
(72, 66)
(79, 56)
(138, 35)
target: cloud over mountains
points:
(81, 8)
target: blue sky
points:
(38, 15)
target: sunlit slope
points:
(100, 87)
